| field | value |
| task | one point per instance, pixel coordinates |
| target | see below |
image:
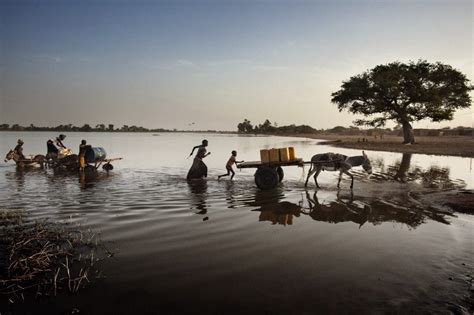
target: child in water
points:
(229, 164)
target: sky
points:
(168, 64)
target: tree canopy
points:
(404, 93)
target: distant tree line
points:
(84, 128)
(268, 128)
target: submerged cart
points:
(269, 174)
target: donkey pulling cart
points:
(270, 172)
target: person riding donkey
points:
(19, 149)
(20, 159)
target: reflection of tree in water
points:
(347, 208)
(198, 190)
(433, 177)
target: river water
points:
(226, 247)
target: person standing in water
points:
(229, 164)
(83, 147)
(199, 170)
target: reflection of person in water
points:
(198, 191)
(199, 170)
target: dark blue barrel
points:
(94, 155)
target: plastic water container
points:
(284, 155)
(94, 155)
(63, 153)
(274, 155)
(291, 151)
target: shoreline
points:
(461, 146)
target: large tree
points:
(405, 93)
(245, 126)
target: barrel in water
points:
(94, 155)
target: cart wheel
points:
(266, 177)
(280, 173)
(107, 167)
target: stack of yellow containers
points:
(277, 155)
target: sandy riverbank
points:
(454, 146)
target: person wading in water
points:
(199, 170)
(232, 160)
(83, 147)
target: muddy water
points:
(226, 247)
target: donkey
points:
(337, 162)
(37, 159)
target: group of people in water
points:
(53, 150)
(198, 169)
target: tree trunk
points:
(408, 135)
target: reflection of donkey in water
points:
(337, 162)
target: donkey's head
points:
(9, 155)
(366, 163)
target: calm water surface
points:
(226, 247)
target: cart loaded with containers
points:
(94, 158)
(270, 167)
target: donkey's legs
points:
(310, 172)
(318, 170)
(352, 178)
(340, 177)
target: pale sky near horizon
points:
(170, 63)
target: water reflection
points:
(432, 177)
(345, 207)
(230, 193)
(17, 177)
(198, 193)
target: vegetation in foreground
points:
(43, 257)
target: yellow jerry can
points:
(291, 152)
(264, 156)
(284, 155)
(274, 155)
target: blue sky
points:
(170, 63)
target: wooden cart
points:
(268, 175)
